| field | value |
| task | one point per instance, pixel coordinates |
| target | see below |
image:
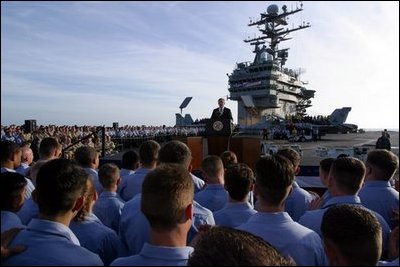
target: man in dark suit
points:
(222, 112)
(383, 142)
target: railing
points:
(103, 141)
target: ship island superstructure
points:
(264, 88)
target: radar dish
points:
(273, 9)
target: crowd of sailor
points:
(154, 131)
(321, 120)
(67, 135)
(149, 210)
(17, 134)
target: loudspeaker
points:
(115, 125)
(30, 126)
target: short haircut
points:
(212, 165)
(355, 231)
(89, 193)
(148, 151)
(291, 155)
(26, 152)
(348, 173)
(326, 164)
(47, 147)
(383, 161)
(59, 183)
(274, 175)
(25, 144)
(228, 158)
(175, 152)
(11, 185)
(130, 159)
(85, 155)
(108, 174)
(166, 192)
(238, 181)
(223, 246)
(8, 149)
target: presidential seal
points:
(217, 126)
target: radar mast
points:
(272, 20)
(264, 88)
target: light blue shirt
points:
(29, 185)
(213, 197)
(234, 214)
(10, 220)
(389, 263)
(313, 218)
(201, 215)
(132, 184)
(29, 188)
(28, 211)
(297, 202)
(198, 183)
(50, 243)
(98, 238)
(123, 173)
(95, 178)
(108, 209)
(380, 197)
(326, 196)
(157, 256)
(135, 228)
(288, 236)
(23, 169)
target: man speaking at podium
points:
(222, 112)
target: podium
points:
(218, 127)
(217, 144)
(218, 132)
(247, 150)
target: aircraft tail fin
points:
(339, 115)
(179, 121)
(183, 121)
(188, 119)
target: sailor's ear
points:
(297, 170)
(290, 190)
(332, 252)
(78, 204)
(368, 170)
(251, 188)
(95, 196)
(189, 212)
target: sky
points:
(94, 63)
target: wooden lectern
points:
(218, 132)
(195, 144)
(247, 149)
